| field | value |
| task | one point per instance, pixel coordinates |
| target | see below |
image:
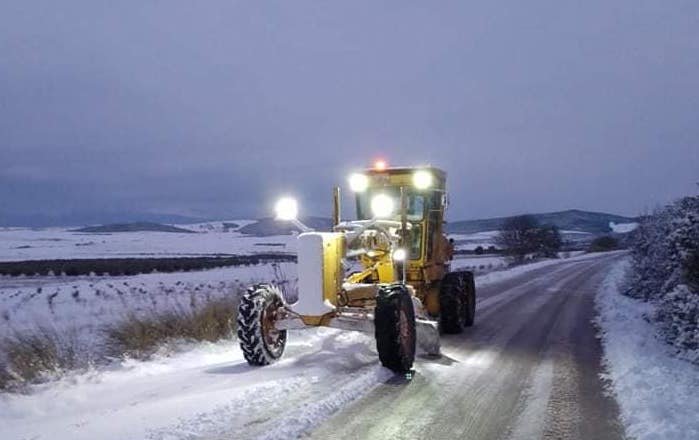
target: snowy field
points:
(18, 244)
(204, 392)
(657, 392)
(210, 239)
(469, 242)
(210, 391)
(83, 305)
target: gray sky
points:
(213, 108)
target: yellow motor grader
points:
(386, 273)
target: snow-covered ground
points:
(487, 239)
(479, 263)
(657, 392)
(469, 242)
(211, 238)
(60, 243)
(206, 392)
(84, 305)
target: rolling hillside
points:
(571, 220)
(133, 227)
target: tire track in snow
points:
(217, 423)
(529, 423)
(301, 421)
(308, 387)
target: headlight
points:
(382, 206)
(286, 209)
(422, 179)
(358, 182)
(399, 254)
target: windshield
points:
(416, 204)
(415, 213)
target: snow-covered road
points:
(528, 368)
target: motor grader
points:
(387, 273)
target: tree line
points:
(522, 237)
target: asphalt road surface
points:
(529, 368)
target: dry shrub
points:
(140, 337)
(31, 357)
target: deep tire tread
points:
(253, 302)
(457, 302)
(394, 355)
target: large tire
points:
(394, 320)
(457, 302)
(259, 340)
(470, 299)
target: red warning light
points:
(380, 165)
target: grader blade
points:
(428, 336)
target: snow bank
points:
(658, 393)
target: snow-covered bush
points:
(684, 241)
(650, 255)
(665, 270)
(678, 314)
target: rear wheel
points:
(394, 319)
(470, 284)
(457, 302)
(259, 340)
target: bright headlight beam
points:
(422, 179)
(382, 206)
(286, 208)
(358, 182)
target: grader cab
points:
(386, 273)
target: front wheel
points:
(259, 340)
(394, 320)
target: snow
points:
(208, 392)
(479, 263)
(535, 401)
(470, 242)
(622, 228)
(84, 305)
(205, 392)
(502, 275)
(56, 243)
(658, 393)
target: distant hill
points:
(571, 220)
(38, 220)
(269, 226)
(133, 227)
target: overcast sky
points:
(212, 108)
